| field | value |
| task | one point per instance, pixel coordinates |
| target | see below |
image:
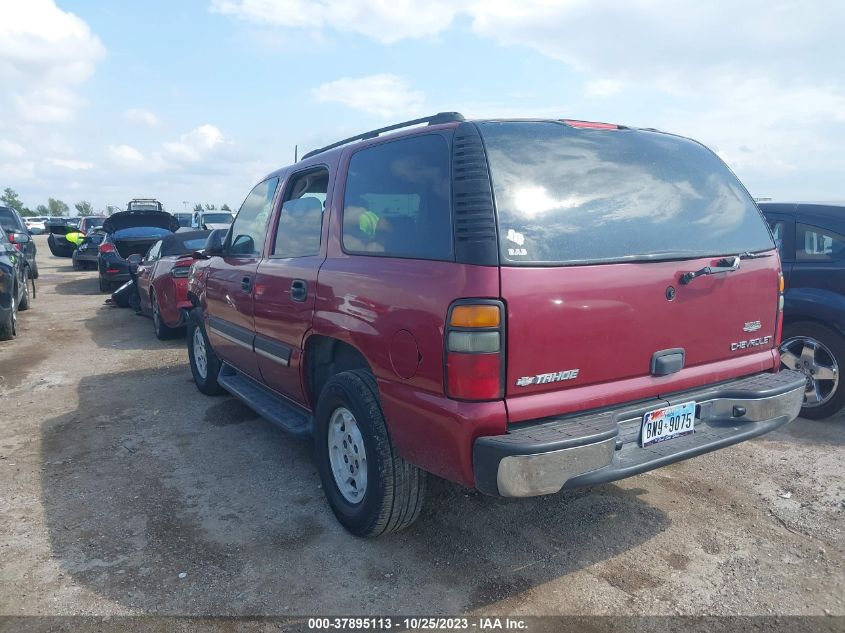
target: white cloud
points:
(125, 154)
(71, 164)
(196, 144)
(380, 20)
(11, 149)
(45, 54)
(602, 88)
(141, 116)
(382, 95)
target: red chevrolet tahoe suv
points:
(521, 306)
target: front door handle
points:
(246, 284)
(299, 290)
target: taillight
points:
(106, 247)
(779, 325)
(182, 268)
(475, 343)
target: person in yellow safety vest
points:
(368, 222)
(75, 237)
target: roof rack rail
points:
(435, 119)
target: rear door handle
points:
(246, 284)
(299, 290)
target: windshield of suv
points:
(568, 195)
(217, 218)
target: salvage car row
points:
(440, 297)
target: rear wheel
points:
(819, 353)
(369, 487)
(161, 329)
(9, 321)
(205, 366)
(105, 285)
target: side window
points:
(153, 253)
(247, 232)
(396, 202)
(778, 227)
(813, 244)
(301, 218)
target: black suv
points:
(811, 240)
(12, 223)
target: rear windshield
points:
(182, 247)
(568, 195)
(140, 232)
(217, 218)
(9, 221)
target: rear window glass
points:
(566, 195)
(396, 202)
(140, 232)
(9, 221)
(182, 247)
(217, 218)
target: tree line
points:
(58, 208)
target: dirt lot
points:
(117, 476)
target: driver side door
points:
(229, 317)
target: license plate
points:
(667, 423)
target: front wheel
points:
(819, 353)
(205, 366)
(369, 487)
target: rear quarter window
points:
(397, 200)
(566, 195)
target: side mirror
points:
(214, 242)
(133, 260)
(20, 238)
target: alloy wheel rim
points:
(14, 315)
(818, 364)
(200, 360)
(156, 315)
(347, 455)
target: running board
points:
(264, 402)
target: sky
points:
(196, 100)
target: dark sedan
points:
(12, 224)
(811, 240)
(14, 289)
(129, 233)
(86, 254)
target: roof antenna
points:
(295, 153)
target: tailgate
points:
(575, 326)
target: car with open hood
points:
(129, 233)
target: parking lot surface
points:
(123, 490)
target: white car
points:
(35, 226)
(212, 220)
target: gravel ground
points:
(123, 490)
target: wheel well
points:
(325, 357)
(803, 318)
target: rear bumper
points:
(544, 456)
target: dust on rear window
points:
(569, 196)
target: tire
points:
(206, 380)
(105, 284)
(818, 352)
(33, 270)
(8, 323)
(162, 331)
(51, 243)
(77, 265)
(393, 492)
(23, 304)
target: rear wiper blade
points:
(750, 255)
(726, 265)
